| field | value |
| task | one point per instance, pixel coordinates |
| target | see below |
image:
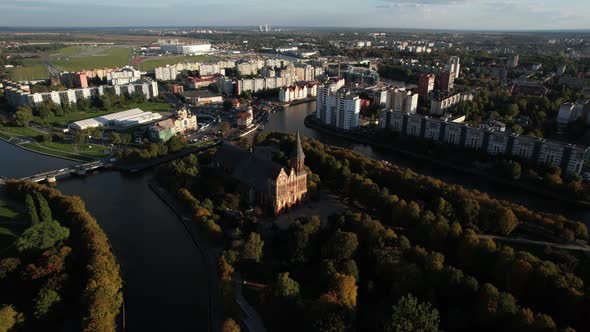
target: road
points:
(570, 246)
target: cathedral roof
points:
(248, 167)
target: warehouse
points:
(122, 119)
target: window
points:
(474, 142)
(523, 151)
(550, 158)
(452, 137)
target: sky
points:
(427, 14)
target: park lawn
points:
(111, 58)
(150, 65)
(89, 150)
(7, 212)
(20, 131)
(61, 152)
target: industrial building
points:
(177, 47)
(124, 119)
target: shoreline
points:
(44, 153)
(471, 171)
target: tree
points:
(411, 316)
(227, 105)
(31, 210)
(8, 265)
(8, 318)
(23, 116)
(45, 302)
(44, 209)
(224, 128)
(41, 236)
(506, 219)
(252, 249)
(230, 325)
(341, 246)
(346, 290)
(285, 287)
(176, 143)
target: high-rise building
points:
(411, 102)
(513, 61)
(337, 106)
(447, 81)
(426, 85)
(348, 110)
(455, 65)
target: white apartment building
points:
(124, 75)
(168, 73)
(337, 106)
(18, 97)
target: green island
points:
(403, 243)
(57, 270)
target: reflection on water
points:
(292, 118)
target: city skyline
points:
(403, 14)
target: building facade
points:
(16, 95)
(570, 158)
(269, 184)
(425, 85)
(181, 122)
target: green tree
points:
(46, 302)
(176, 143)
(8, 265)
(23, 116)
(8, 318)
(41, 236)
(411, 316)
(285, 287)
(31, 210)
(44, 209)
(341, 246)
(252, 250)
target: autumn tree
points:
(230, 325)
(346, 290)
(8, 318)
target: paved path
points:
(250, 317)
(570, 246)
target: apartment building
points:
(491, 141)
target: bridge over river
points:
(81, 169)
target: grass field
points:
(66, 150)
(33, 69)
(80, 58)
(72, 58)
(150, 65)
(11, 227)
(20, 131)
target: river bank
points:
(309, 122)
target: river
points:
(292, 118)
(164, 276)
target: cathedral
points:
(270, 184)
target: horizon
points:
(477, 15)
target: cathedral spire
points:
(298, 157)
